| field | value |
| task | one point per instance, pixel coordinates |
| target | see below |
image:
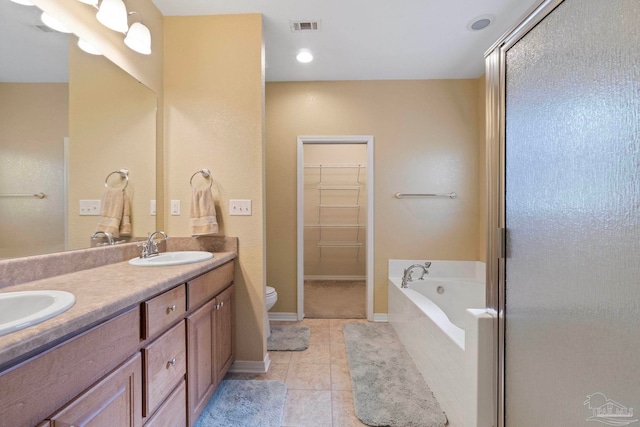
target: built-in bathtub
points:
(442, 323)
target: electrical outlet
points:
(240, 207)
(175, 207)
(152, 207)
(90, 207)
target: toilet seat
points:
(270, 290)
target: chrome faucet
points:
(150, 247)
(407, 276)
(106, 234)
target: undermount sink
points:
(19, 310)
(172, 258)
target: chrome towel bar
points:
(402, 195)
(38, 195)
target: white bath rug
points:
(238, 403)
(288, 338)
(388, 389)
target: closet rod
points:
(335, 165)
(339, 187)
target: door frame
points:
(495, 60)
(347, 139)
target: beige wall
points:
(34, 123)
(426, 140)
(214, 108)
(112, 124)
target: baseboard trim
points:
(283, 317)
(380, 317)
(251, 366)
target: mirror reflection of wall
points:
(112, 122)
(50, 90)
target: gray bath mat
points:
(388, 389)
(288, 338)
(238, 403)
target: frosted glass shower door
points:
(572, 213)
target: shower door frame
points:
(346, 139)
(495, 61)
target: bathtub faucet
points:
(407, 277)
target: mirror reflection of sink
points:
(19, 310)
(172, 258)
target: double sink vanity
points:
(137, 347)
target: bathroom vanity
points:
(140, 347)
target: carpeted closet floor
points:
(335, 299)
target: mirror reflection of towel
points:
(115, 213)
(203, 213)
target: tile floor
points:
(317, 379)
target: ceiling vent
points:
(305, 26)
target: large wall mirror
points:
(68, 119)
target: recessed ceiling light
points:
(480, 23)
(304, 56)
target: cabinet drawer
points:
(163, 310)
(114, 401)
(173, 412)
(203, 288)
(165, 365)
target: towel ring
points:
(205, 173)
(124, 173)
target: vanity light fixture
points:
(304, 56)
(87, 47)
(53, 23)
(138, 37)
(24, 2)
(113, 15)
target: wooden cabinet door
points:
(200, 368)
(223, 334)
(116, 400)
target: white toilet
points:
(272, 297)
(270, 301)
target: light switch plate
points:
(152, 208)
(240, 207)
(175, 207)
(90, 207)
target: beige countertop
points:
(101, 293)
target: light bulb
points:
(53, 23)
(86, 47)
(139, 38)
(24, 2)
(304, 56)
(113, 15)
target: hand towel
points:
(111, 211)
(125, 224)
(203, 213)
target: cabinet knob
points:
(221, 304)
(171, 362)
(170, 309)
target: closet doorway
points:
(335, 227)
